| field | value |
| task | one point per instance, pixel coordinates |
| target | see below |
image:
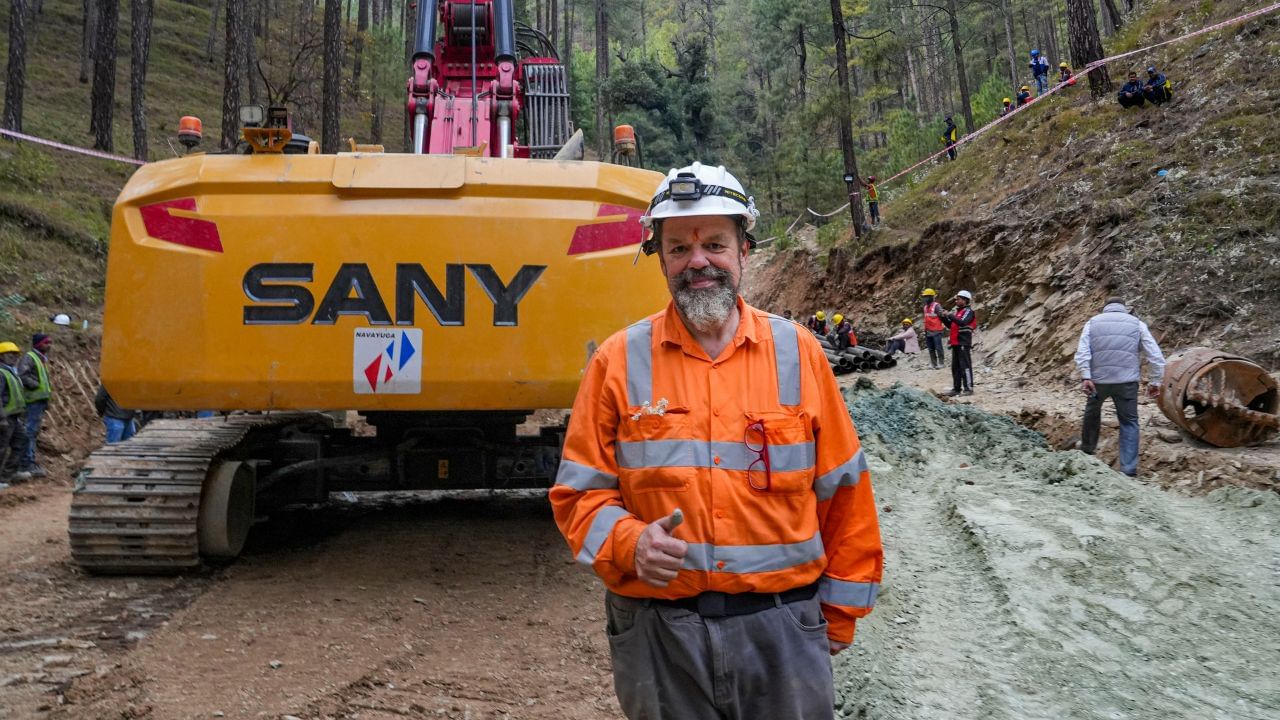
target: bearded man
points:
(712, 478)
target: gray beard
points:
(708, 308)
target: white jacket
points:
(1112, 345)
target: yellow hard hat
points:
(907, 321)
(838, 318)
(1063, 65)
(821, 315)
(1026, 87)
(1007, 101)
(8, 347)
(930, 292)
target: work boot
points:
(951, 393)
(966, 392)
(19, 476)
(36, 471)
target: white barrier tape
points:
(71, 148)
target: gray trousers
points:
(673, 664)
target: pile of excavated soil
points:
(1024, 583)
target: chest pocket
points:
(657, 452)
(789, 437)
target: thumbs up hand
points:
(659, 554)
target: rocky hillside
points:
(1068, 203)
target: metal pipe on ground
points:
(1225, 400)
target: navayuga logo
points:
(387, 362)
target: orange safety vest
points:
(872, 194)
(932, 323)
(658, 425)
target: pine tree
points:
(332, 66)
(103, 99)
(1086, 44)
(16, 74)
(141, 12)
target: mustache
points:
(684, 279)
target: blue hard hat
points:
(1035, 53)
(1152, 69)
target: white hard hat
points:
(700, 190)
(62, 319)
(965, 294)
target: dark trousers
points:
(1131, 101)
(1156, 95)
(1125, 398)
(894, 346)
(874, 207)
(961, 368)
(951, 150)
(673, 664)
(937, 351)
(13, 443)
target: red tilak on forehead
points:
(695, 235)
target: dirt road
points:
(1020, 583)
(450, 608)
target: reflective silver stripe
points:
(786, 352)
(700, 453)
(847, 474)
(581, 477)
(848, 594)
(640, 363)
(601, 526)
(752, 558)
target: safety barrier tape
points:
(71, 148)
(1079, 74)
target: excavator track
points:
(136, 506)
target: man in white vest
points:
(1109, 357)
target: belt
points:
(718, 604)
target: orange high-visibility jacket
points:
(625, 466)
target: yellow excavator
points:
(444, 294)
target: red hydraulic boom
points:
(474, 84)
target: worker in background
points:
(121, 423)
(962, 321)
(1024, 95)
(1109, 358)
(950, 137)
(1007, 107)
(842, 337)
(726, 603)
(905, 340)
(934, 331)
(873, 199)
(1040, 71)
(789, 315)
(1158, 89)
(1131, 95)
(817, 324)
(13, 416)
(33, 370)
(1065, 75)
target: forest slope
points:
(1065, 204)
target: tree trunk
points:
(16, 74)
(213, 28)
(961, 75)
(232, 64)
(140, 14)
(1007, 13)
(332, 65)
(250, 62)
(602, 74)
(553, 21)
(88, 36)
(104, 75)
(1086, 45)
(846, 118)
(1113, 14)
(357, 44)
(908, 46)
